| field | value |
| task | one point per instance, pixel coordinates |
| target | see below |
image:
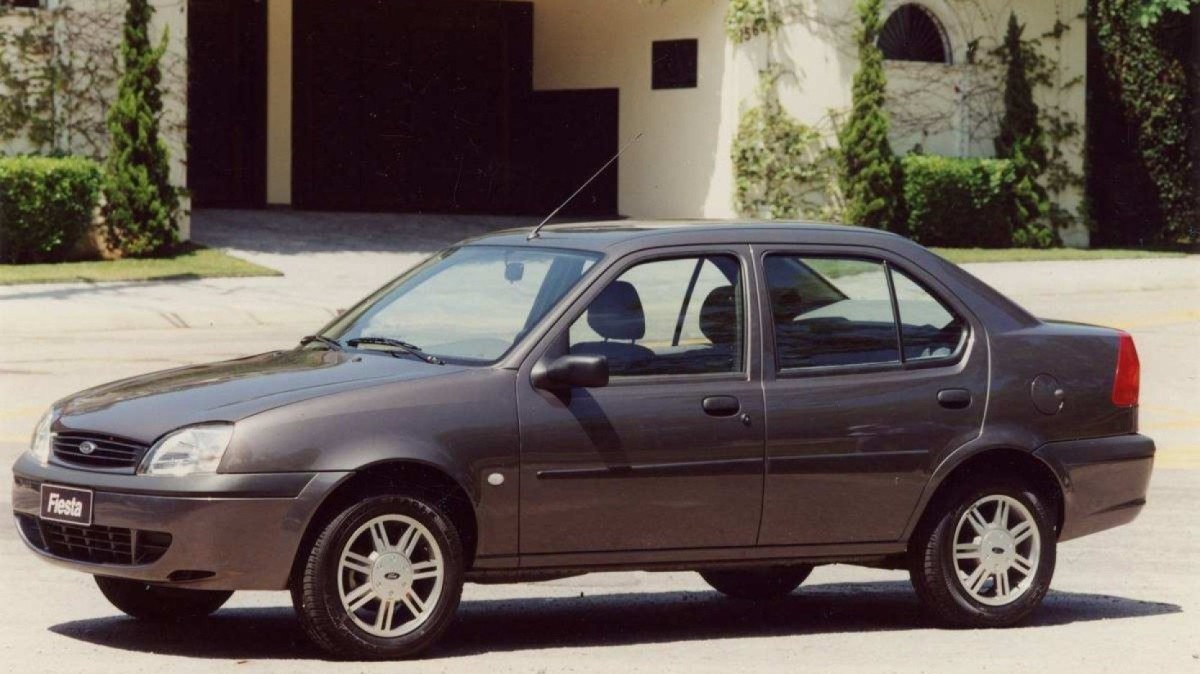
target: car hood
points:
(145, 407)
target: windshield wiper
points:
(333, 344)
(410, 349)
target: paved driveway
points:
(1122, 601)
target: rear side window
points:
(831, 311)
(929, 330)
(836, 311)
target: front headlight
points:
(39, 446)
(188, 451)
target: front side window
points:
(831, 311)
(677, 316)
(469, 304)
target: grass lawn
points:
(190, 264)
(966, 255)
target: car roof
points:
(633, 234)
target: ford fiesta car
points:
(745, 400)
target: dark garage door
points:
(227, 114)
(420, 105)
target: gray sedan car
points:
(746, 400)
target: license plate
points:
(67, 504)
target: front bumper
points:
(1104, 480)
(226, 532)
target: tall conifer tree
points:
(1021, 138)
(871, 176)
(142, 205)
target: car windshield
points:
(468, 304)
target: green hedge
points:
(46, 206)
(955, 202)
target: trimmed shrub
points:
(46, 206)
(960, 202)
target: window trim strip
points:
(887, 272)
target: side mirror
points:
(567, 372)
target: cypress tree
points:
(1021, 139)
(142, 205)
(871, 177)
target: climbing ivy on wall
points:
(27, 85)
(58, 73)
(782, 168)
(747, 19)
(1151, 84)
(1152, 11)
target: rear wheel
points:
(769, 582)
(382, 580)
(156, 602)
(987, 557)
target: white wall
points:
(681, 168)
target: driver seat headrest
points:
(617, 312)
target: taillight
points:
(1127, 381)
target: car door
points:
(872, 373)
(670, 453)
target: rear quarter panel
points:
(1082, 358)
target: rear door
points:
(872, 373)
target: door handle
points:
(721, 406)
(954, 398)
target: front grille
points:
(108, 451)
(95, 544)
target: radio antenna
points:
(534, 234)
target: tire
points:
(422, 602)
(159, 603)
(769, 582)
(953, 551)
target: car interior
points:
(618, 319)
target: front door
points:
(873, 378)
(670, 453)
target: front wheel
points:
(156, 602)
(769, 582)
(382, 580)
(987, 558)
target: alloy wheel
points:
(390, 575)
(997, 548)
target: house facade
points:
(439, 105)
